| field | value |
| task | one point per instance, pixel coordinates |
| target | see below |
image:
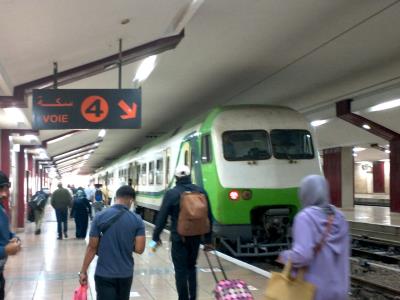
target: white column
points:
(347, 166)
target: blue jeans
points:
(62, 218)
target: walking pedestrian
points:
(10, 244)
(81, 211)
(122, 232)
(320, 241)
(185, 249)
(60, 200)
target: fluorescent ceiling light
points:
(358, 149)
(387, 151)
(145, 68)
(102, 133)
(385, 105)
(43, 155)
(15, 114)
(355, 154)
(317, 123)
(366, 126)
(30, 136)
(59, 139)
(16, 148)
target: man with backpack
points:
(188, 206)
(37, 205)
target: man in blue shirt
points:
(122, 232)
(9, 243)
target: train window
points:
(292, 144)
(143, 174)
(206, 148)
(137, 175)
(151, 172)
(245, 145)
(167, 169)
(159, 171)
(186, 162)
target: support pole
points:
(55, 73)
(120, 65)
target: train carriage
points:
(249, 158)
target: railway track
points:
(368, 289)
(376, 249)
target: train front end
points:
(260, 156)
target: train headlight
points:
(234, 195)
(246, 195)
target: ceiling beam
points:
(87, 146)
(343, 111)
(60, 137)
(90, 69)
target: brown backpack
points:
(193, 214)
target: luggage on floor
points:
(228, 289)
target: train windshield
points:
(292, 144)
(246, 145)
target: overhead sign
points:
(87, 109)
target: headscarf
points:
(80, 194)
(314, 191)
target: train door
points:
(167, 167)
(191, 157)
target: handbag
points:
(282, 286)
(80, 293)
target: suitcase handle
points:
(211, 267)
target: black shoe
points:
(37, 231)
(65, 235)
(59, 238)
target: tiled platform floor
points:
(47, 269)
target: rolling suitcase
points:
(229, 289)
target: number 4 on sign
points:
(130, 112)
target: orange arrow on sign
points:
(130, 112)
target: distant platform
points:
(374, 222)
(372, 199)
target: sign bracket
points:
(120, 65)
(55, 74)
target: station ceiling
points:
(305, 54)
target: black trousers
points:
(2, 286)
(62, 218)
(113, 288)
(184, 256)
(81, 222)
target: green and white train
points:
(249, 158)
